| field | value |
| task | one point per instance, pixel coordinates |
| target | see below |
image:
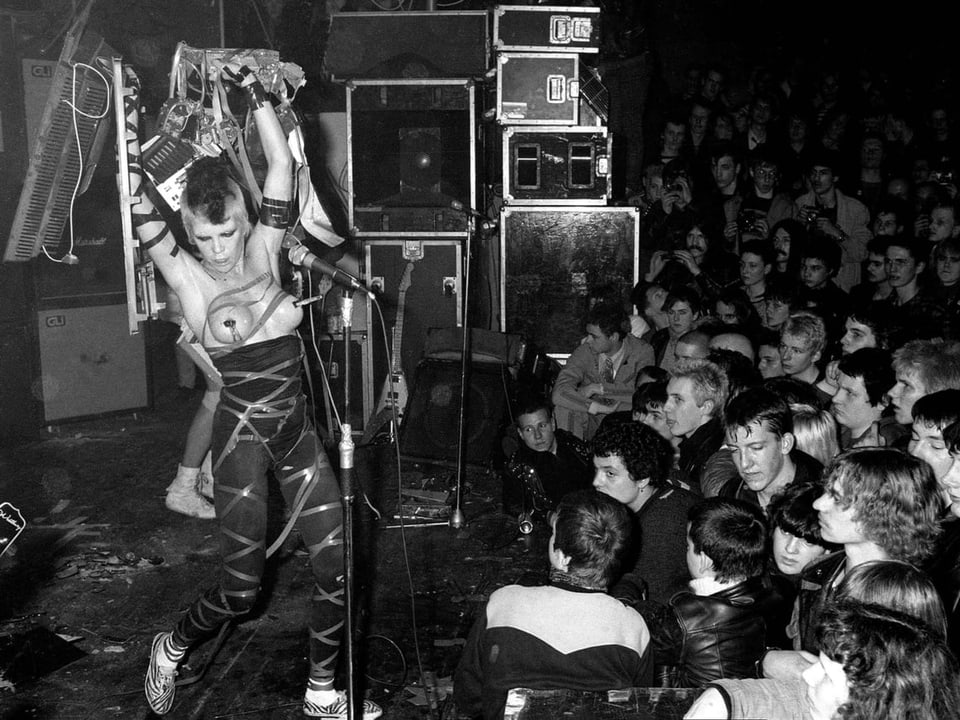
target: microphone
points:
(299, 255)
(484, 220)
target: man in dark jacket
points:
(548, 463)
(759, 433)
(717, 628)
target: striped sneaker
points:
(337, 710)
(160, 683)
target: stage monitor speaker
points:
(407, 44)
(89, 362)
(430, 427)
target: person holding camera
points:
(763, 205)
(830, 213)
(665, 224)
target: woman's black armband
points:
(275, 213)
(256, 95)
(141, 219)
(150, 242)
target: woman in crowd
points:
(883, 658)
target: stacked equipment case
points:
(562, 245)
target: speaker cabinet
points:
(411, 155)
(430, 427)
(407, 44)
(89, 362)
(556, 261)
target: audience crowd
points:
(777, 405)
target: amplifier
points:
(556, 165)
(546, 29)
(407, 44)
(538, 88)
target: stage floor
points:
(102, 566)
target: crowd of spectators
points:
(793, 347)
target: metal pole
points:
(456, 517)
(346, 495)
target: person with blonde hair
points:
(815, 432)
(803, 338)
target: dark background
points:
(911, 51)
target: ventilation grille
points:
(55, 164)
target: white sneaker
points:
(183, 497)
(190, 503)
(160, 684)
(337, 710)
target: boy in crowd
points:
(759, 434)
(632, 464)
(549, 462)
(600, 375)
(717, 628)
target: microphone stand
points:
(346, 448)
(456, 517)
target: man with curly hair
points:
(880, 504)
(632, 463)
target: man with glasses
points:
(763, 205)
(831, 214)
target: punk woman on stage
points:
(233, 302)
